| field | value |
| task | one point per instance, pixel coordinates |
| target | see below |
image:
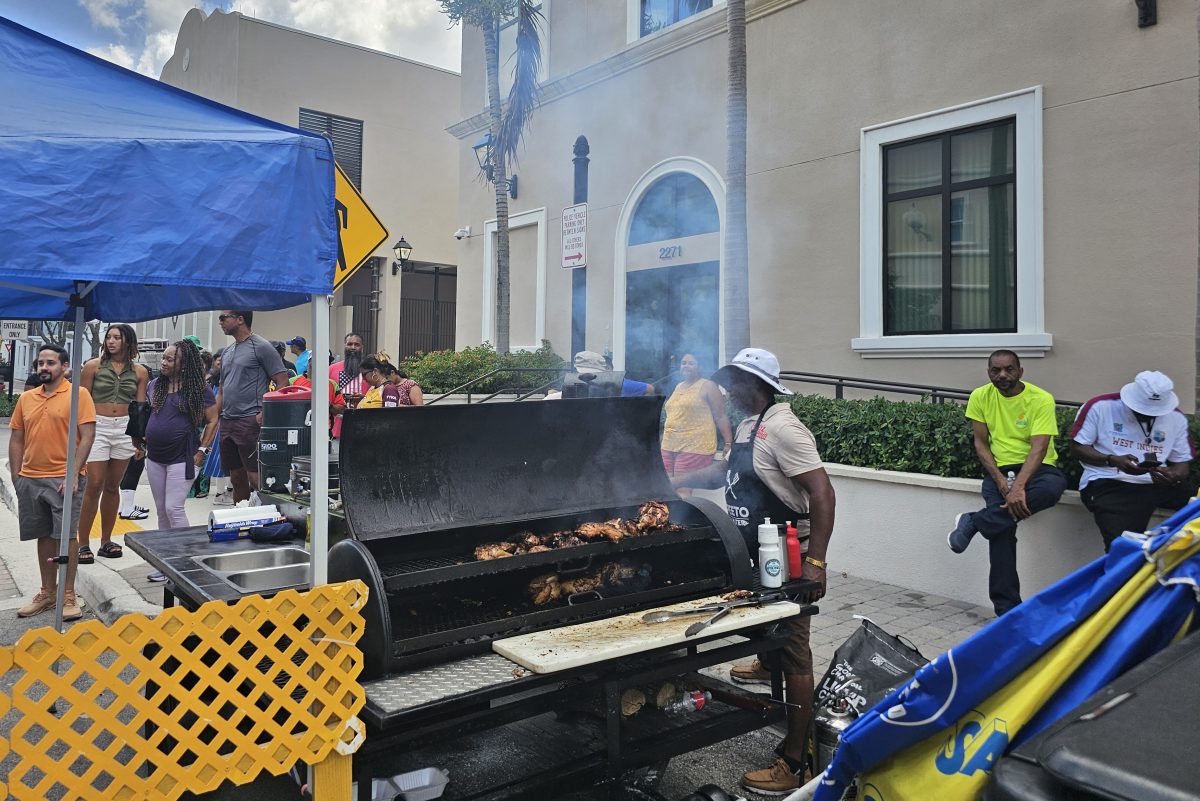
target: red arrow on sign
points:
(575, 257)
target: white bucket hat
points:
(759, 363)
(587, 361)
(1150, 393)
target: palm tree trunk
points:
(736, 272)
(491, 50)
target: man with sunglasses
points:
(248, 367)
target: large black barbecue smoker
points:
(506, 648)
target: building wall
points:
(1119, 166)
(410, 163)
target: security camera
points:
(465, 231)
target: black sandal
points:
(110, 550)
(86, 557)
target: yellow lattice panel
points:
(149, 708)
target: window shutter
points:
(347, 137)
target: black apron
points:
(747, 498)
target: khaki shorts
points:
(796, 656)
(111, 440)
(40, 507)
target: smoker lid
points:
(430, 468)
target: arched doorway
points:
(670, 294)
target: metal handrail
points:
(492, 373)
(937, 393)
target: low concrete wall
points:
(892, 527)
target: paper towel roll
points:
(242, 517)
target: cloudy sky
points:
(140, 34)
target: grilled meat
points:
(526, 540)
(580, 584)
(495, 550)
(653, 514)
(595, 531)
(545, 589)
(539, 549)
(614, 573)
(630, 528)
(564, 539)
(737, 595)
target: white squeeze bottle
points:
(770, 568)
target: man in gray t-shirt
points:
(247, 368)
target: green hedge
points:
(444, 370)
(914, 437)
(6, 406)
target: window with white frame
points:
(951, 234)
(659, 14)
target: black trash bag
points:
(865, 668)
(274, 532)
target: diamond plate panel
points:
(414, 688)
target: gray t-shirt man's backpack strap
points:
(246, 370)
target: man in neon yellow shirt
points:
(1014, 426)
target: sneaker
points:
(775, 780)
(156, 576)
(138, 513)
(71, 608)
(964, 529)
(224, 498)
(41, 602)
(754, 673)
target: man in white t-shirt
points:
(1135, 452)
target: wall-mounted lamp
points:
(484, 157)
(402, 250)
(1147, 12)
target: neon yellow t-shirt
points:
(1012, 421)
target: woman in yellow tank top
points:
(695, 413)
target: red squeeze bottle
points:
(793, 552)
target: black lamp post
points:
(484, 157)
(402, 250)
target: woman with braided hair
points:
(180, 402)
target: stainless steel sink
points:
(254, 560)
(269, 578)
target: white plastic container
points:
(424, 784)
(770, 555)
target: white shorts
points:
(111, 440)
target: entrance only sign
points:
(14, 329)
(574, 236)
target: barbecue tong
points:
(718, 611)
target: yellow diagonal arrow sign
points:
(359, 230)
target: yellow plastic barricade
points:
(151, 708)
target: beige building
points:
(928, 181)
(387, 117)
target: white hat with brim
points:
(1150, 393)
(759, 363)
(587, 361)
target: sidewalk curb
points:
(106, 592)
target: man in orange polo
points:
(37, 457)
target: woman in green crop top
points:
(114, 380)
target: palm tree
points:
(737, 260)
(507, 122)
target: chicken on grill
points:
(545, 589)
(595, 531)
(585, 583)
(653, 514)
(495, 550)
(526, 540)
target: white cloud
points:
(106, 13)
(117, 54)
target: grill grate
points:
(399, 575)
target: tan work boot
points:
(775, 780)
(41, 602)
(754, 673)
(71, 608)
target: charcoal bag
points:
(865, 668)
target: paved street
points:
(114, 586)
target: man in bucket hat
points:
(1135, 452)
(774, 471)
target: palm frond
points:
(523, 96)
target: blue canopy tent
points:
(124, 198)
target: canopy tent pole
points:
(318, 526)
(66, 537)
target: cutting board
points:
(600, 640)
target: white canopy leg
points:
(319, 496)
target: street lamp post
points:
(485, 158)
(402, 250)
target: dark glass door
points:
(670, 311)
